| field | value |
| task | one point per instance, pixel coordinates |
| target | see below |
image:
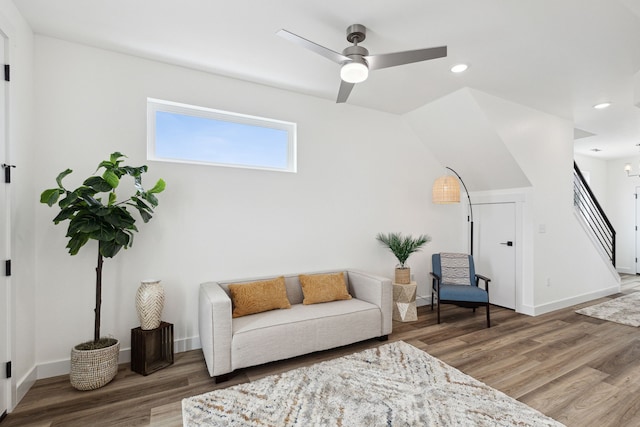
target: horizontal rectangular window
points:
(190, 134)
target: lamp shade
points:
(446, 189)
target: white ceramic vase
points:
(149, 304)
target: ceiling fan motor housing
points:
(356, 33)
(356, 54)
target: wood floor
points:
(579, 370)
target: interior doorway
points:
(495, 250)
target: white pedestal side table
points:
(404, 302)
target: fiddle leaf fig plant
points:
(95, 212)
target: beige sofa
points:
(233, 343)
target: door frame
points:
(636, 265)
(6, 31)
(519, 198)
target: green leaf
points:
(98, 183)
(50, 197)
(104, 233)
(109, 249)
(76, 242)
(153, 200)
(106, 164)
(64, 214)
(120, 218)
(122, 238)
(159, 187)
(115, 157)
(71, 197)
(82, 224)
(112, 198)
(62, 175)
(139, 204)
(111, 178)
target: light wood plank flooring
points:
(579, 370)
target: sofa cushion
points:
(282, 334)
(256, 297)
(319, 288)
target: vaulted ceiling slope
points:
(559, 57)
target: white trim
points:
(25, 383)
(63, 366)
(518, 196)
(568, 302)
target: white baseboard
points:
(568, 302)
(25, 383)
(547, 307)
(62, 367)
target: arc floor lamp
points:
(446, 190)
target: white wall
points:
(512, 145)
(567, 267)
(597, 171)
(360, 172)
(21, 153)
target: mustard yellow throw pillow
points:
(256, 297)
(323, 288)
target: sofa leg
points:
(383, 338)
(224, 377)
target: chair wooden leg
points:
(488, 319)
(438, 310)
(431, 299)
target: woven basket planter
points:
(92, 369)
(403, 276)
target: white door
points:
(5, 383)
(637, 230)
(494, 250)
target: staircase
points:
(594, 217)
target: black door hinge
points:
(7, 267)
(7, 172)
(7, 73)
(8, 368)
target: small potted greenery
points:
(402, 247)
(107, 220)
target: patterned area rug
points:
(625, 310)
(393, 385)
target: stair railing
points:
(588, 207)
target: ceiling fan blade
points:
(314, 47)
(345, 90)
(387, 60)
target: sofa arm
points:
(376, 290)
(215, 328)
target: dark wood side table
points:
(152, 349)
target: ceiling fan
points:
(355, 60)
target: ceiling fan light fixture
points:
(354, 72)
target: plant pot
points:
(403, 275)
(149, 304)
(92, 369)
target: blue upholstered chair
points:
(455, 282)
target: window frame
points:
(158, 105)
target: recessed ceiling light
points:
(602, 105)
(459, 68)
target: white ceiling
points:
(558, 56)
